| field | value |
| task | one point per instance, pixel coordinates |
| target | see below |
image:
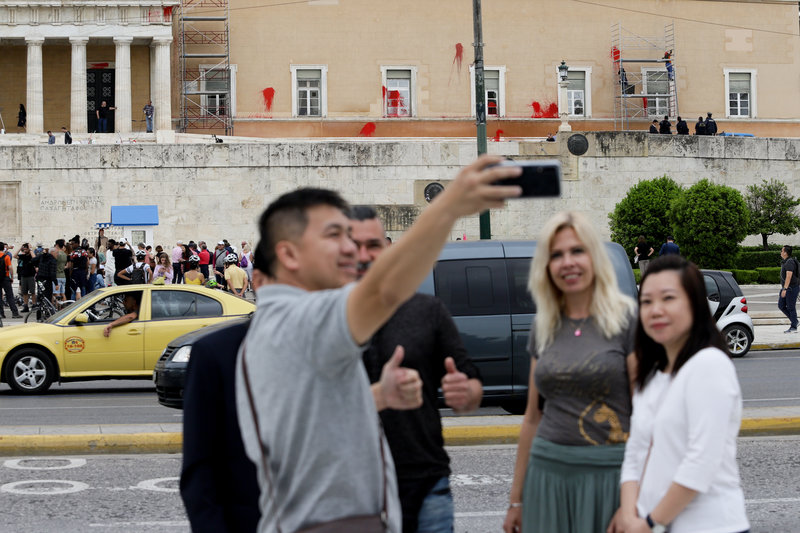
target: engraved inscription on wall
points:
(85, 203)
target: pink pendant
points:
(578, 332)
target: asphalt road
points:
(124, 493)
(768, 379)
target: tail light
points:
(744, 304)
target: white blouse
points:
(692, 421)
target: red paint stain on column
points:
(268, 95)
(615, 55)
(497, 135)
(168, 13)
(459, 56)
(367, 130)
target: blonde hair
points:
(610, 308)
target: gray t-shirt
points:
(315, 410)
(584, 382)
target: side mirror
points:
(81, 318)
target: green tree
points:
(709, 221)
(643, 211)
(772, 210)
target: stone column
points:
(77, 103)
(162, 98)
(122, 85)
(35, 92)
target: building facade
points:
(342, 68)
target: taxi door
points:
(173, 313)
(88, 352)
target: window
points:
(111, 307)
(474, 287)
(740, 89)
(399, 85)
(215, 78)
(309, 90)
(656, 81)
(494, 79)
(183, 304)
(520, 298)
(579, 91)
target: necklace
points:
(578, 325)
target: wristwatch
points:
(654, 527)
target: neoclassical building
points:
(62, 58)
(344, 68)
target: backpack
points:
(137, 275)
(243, 262)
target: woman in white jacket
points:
(680, 469)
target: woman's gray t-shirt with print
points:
(584, 381)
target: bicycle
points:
(43, 309)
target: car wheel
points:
(738, 338)
(29, 371)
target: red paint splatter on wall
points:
(644, 102)
(367, 130)
(615, 54)
(168, 13)
(459, 56)
(497, 135)
(540, 111)
(97, 65)
(268, 95)
(383, 92)
(395, 105)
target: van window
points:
(519, 297)
(472, 287)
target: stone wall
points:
(214, 191)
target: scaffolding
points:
(204, 53)
(645, 75)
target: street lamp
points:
(563, 75)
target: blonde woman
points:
(571, 447)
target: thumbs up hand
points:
(400, 388)
(455, 386)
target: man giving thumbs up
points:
(432, 348)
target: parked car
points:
(71, 346)
(729, 308)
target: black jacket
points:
(653, 128)
(665, 127)
(218, 481)
(700, 128)
(682, 128)
(711, 126)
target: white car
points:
(729, 309)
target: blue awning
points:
(134, 215)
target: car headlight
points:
(182, 354)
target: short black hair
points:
(363, 212)
(670, 238)
(286, 218)
(655, 121)
(787, 249)
(2, 246)
(60, 243)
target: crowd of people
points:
(632, 416)
(70, 270)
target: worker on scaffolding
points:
(670, 68)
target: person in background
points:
(571, 447)
(51, 139)
(665, 126)
(148, 111)
(681, 127)
(205, 258)
(67, 135)
(669, 247)
(680, 472)
(235, 277)
(177, 260)
(22, 117)
(61, 275)
(700, 127)
(643, 251)
(6, 279)
(46, 266)
(193, 275)
(711, 125)
(26, 272)
(790, 287)
(654, 126)
(163, 269)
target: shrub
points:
(769, 275)
(709, 221)
(752, 260)
(745, 277)
(643, 211)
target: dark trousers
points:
(204, 271)
(788, 304)
(5, 286)
(177, 273)
(48, 287)
(80, 281)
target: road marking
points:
(50, 487)
(461, 480)
(772, 500)
(154, 484)
(30, 464)
(165, 523)
(478, 515)
(73, 407)
(756, 358)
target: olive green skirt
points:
(571, 489)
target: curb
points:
(774, 346)
(128, 443)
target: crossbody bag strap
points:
(261, 445)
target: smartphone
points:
(539, 179)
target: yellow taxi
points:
(76, 343)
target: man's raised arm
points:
(398, 272)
